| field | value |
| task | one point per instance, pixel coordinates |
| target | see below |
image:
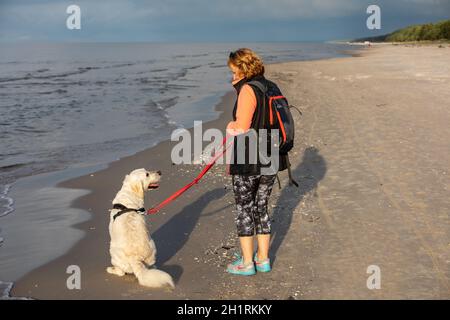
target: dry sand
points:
(373, 159)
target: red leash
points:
(190, 184)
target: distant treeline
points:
(422, 32)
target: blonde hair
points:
(247, 61)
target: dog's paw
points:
(114, 270)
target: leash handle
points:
(190, 184)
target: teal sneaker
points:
(238, 267)
(262, 266)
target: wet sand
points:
(372, 158)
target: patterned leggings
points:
(252, 196)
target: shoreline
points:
(195, 234)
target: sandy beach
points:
(372, 157)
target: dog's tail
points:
(152, 278)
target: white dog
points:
(132, 250)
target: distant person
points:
(251, 189)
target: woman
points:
(251, 188)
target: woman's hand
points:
(232, 131)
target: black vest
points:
(260, 120)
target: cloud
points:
(180, 17)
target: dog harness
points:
(124, 209)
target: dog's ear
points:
(137, 187)
(134, 184)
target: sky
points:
(209, 20)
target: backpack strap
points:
(298, 110)
(291, 180)
(279, 182)
(259, 85)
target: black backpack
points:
(280, 117)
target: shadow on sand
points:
(175, 232)
(308, 173)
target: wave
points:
(120, 65)
(5, 291)
(6, 202)
(9, 167)
(31, 76)
(217, 65)
(167, 103)
(58, 91)
(194, 67)
(157, 70)
(42, 70)
(30, 129)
